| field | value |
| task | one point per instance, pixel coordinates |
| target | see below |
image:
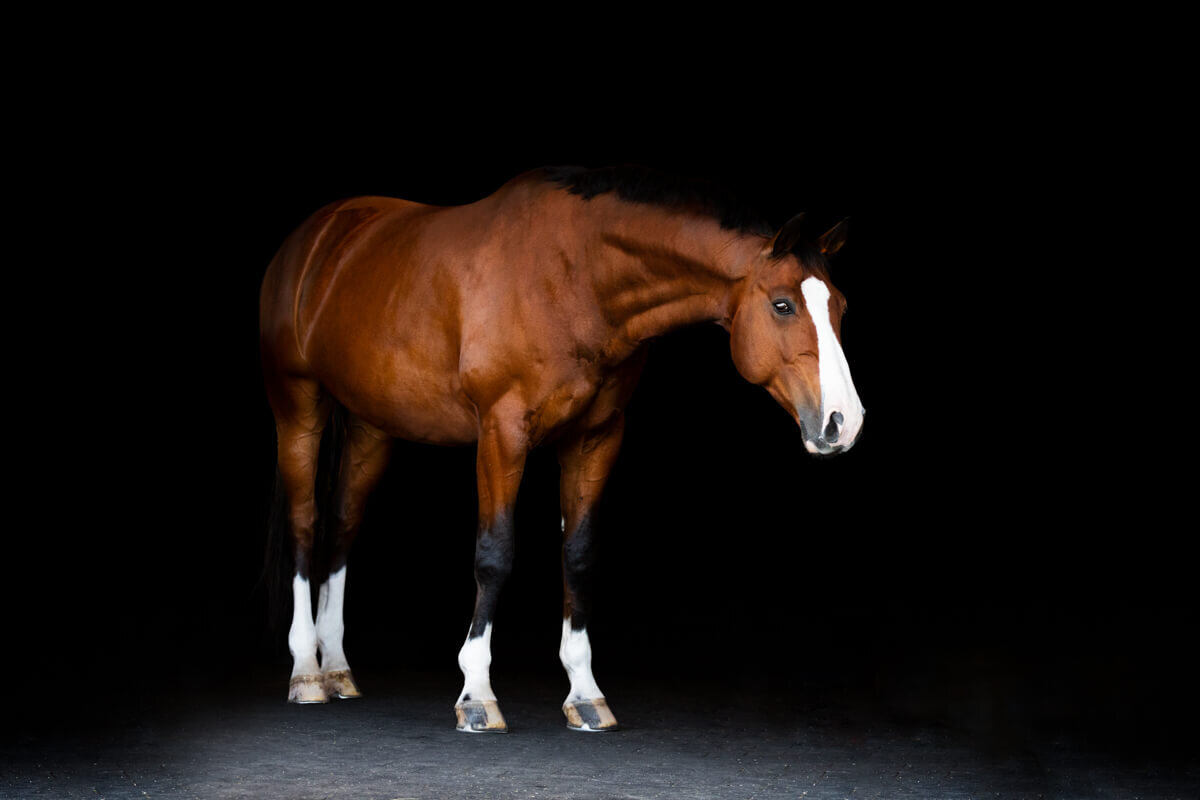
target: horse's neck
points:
(656, 272)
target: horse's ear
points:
(832, 240)
(788, 236)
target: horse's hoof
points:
(340, 684)
(590, 715)
(480, 716)
(307, 689)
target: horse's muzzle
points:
(834, 438)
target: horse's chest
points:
(561, 406)
(540, 399)
(584, 402)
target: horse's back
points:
(384, 245)
(418, 318)
(307, 262)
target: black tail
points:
(329, 467)
(279, 563)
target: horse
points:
(519, 320)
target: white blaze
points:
(837, 388)
(575, 652)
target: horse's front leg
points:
(585, 461)
(500, 463)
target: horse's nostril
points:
(831, 430)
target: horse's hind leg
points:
(585, 462)
(301, 410)
(363, 462)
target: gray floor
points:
(677, 742)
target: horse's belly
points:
(408, 404)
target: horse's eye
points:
(784, 307)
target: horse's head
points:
(786, 336)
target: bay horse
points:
(518, 320)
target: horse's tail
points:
(329, 466)
(279, 563)
(277, 560)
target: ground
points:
(678, 741)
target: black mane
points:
(652, 187)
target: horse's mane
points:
(638, 184)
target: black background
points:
(993, 552)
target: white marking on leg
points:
(475, 661)
(575, 652)
(302, 637)
(330, 625)
(837, 388)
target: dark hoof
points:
(340, 684)
(593, 716)
(480, 716)
(305, 689)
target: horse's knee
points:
(493, 555)
(579, 552)
(493, 563)
(578, 558)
